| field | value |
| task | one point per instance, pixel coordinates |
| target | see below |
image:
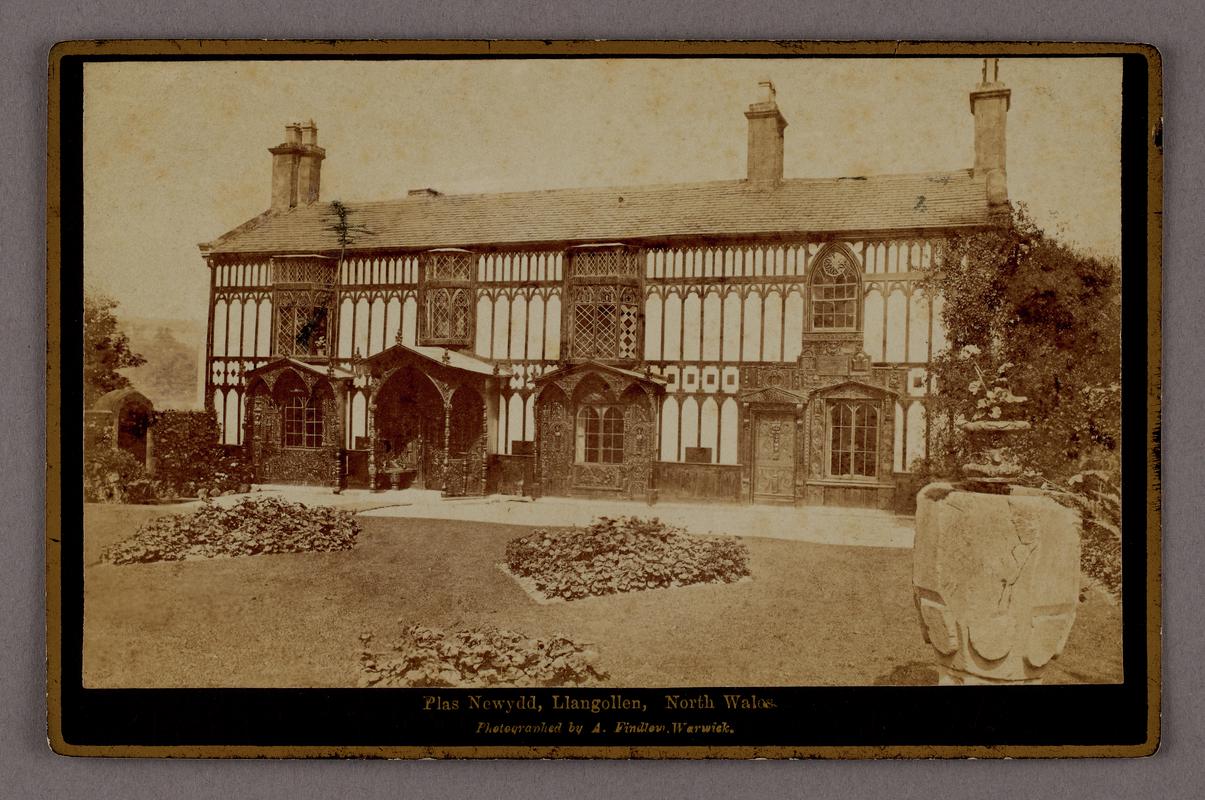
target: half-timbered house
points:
(755, 340)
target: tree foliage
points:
(1046, 319)
(106, 349)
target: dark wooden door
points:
(774, 458)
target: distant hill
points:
(173, 350)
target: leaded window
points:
(605, 263)
(606, 321)
(835, 293)
(302, 421)
(448, 315)
(450, 266)
(448, 297)
(605, 302)
(853, 438)
(310, 270)
(600, 435)
(301, 329)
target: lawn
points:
(812, 615)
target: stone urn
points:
(995, 568)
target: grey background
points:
(28, 769)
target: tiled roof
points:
(324, 370)
(452, 358)
(720, 208)
(456, 359)
(639, 376)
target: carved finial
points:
(447, 358)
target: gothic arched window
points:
(302, 421)
(836, 294)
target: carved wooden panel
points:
(774, 456)
(555, 445)
(816, 439)
(276, 464)
(714, 482)
(638, 441)
(610, 477)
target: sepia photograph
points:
(640, 387)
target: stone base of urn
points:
(996, 581)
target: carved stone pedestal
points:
(996, 581)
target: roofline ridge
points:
(645, 187)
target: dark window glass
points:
(834, 301)
(600, 435)
(853, 440)
(302, 422)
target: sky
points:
(175, 153)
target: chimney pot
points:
(767, 87)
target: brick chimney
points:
(309, 169)
(989, 105)
(766, 125)
(286, 158)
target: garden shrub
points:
(623, 555)
(1096, 494)
(472, 657)
(249, 527)
(189, 456)
(1044, 319)
(112, 475)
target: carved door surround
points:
(561, 395)
(771, 445)
(262, 423)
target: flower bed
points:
(250, 526)
(623, 555)
(476, 657)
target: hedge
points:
(189, 456)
